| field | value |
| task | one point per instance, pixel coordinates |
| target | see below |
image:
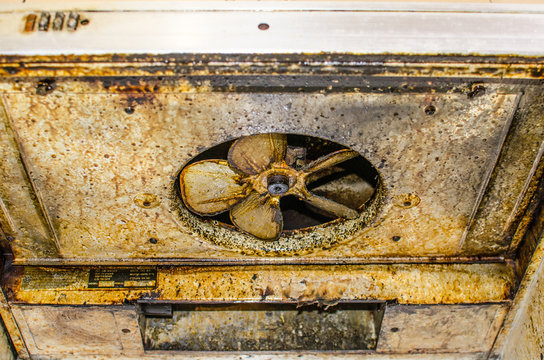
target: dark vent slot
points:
(263, 327)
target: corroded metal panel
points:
(264, 327)
(12, 330)
(326, 285)
(454, 328)
(6, 352)
(84, 330)
(519, 168)
(72, 332)
(159, 355)
(522, 335)
(91, 161)
(21, 216)
(396, 66)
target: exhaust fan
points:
(262, 169)
(317, 170)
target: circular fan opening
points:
(341, 185)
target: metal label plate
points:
(123, 278)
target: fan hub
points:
(278, 184)
(278, 180)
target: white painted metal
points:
(295, 27)
(274, 5)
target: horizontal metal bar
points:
(342, 5)
(257, 261)
(410, 284)
(367, 32)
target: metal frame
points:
(293, 27)
(172, 31)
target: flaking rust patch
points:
(323, 293)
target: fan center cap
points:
(278, 184)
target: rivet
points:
(430, 109)
(476, 90)
(46, 86)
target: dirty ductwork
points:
(225, 198)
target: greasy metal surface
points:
(501, 209)
(72, 332)
(6, 351)
(21, 216)
(90, 163)
(526, 333)
(260, 327)
(79, 330)
(281, 356)
(12, 328)
(472, 67)
(535, 229)
(453, 328)
(522, 335)
(404, 283)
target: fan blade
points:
(210, 187)
(331, 207)
(253, 154)
(329, 160)
(259, 215)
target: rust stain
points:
(146, 201)
(263, 327)
(324, 285)
(93, 145)
(502, 67)
(407, 201)
(88, 151)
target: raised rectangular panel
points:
(90, 330)
(90, 162)
(443, 328)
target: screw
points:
(153, 240)
(430, 109)
(11, 70)
(476, 90)
(129, 110)
(46, 86)
(263, 26)
(395, 238)
(278, 184)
